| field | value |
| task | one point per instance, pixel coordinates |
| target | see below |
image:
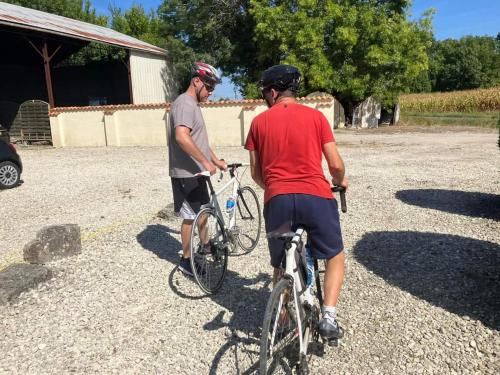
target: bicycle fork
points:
(292, 268)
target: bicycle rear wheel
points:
(208, 251)
(280, 345)
(248, 219)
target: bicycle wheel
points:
(280, 345)
(248, 219)
(208, 251)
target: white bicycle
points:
(291, 319)
(213, 238)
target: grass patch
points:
(481, 119)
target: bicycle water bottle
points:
(230, 205)
(310, 274)
(310, 267)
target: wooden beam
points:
(46, 64)
(131, 93)
(48, 76)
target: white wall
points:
(227, 123)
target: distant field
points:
(468, 101)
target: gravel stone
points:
(422, 269)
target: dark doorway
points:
(23, 77)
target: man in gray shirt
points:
(189, 152)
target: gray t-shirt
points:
(186, 112)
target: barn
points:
(34, 78)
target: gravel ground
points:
(422, 289)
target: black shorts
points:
(318, 216)
(190, 194)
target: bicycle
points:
(212, 240)
(290, 315)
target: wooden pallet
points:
(32, 123)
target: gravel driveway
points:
(422, 289)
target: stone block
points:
(53, 242)
(18, 278)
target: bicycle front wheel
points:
(280, 343)
(208, 251)
(248, 219)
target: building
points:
(34, 43)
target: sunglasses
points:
(208, 87)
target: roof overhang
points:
(25, 18)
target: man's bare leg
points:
(185, 237)
(334, 277)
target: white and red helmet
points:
(206, 72)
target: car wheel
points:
(9, 175)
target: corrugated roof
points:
(17, 16)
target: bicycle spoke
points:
(248, 219)
(280, 339)
(209, 256)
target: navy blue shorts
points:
(318, 216)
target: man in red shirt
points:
(286, 145)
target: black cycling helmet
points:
(206, 72)
(281, 77)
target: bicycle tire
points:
(280, 323)
(248, 219)
(209, 262)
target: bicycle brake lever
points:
(221, 176)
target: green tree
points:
(352, 49)
(137, 23)
(468, 63)
(219, 32)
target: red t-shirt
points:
(289, 138)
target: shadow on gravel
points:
(454, 201)
(246, 304)
(459, 274)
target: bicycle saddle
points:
(280, 236)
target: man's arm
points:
(186, 143)
(255, 169)
(335, 164)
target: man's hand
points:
(209, 167)
(221, 164)
(344, 183)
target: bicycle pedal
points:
(234, 230)
(333, 342)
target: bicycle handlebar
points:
(341, 190)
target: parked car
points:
(11, 166)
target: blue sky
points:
(453, 19)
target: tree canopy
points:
(349, 48)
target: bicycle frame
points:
(292, 270)
(214, 202)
